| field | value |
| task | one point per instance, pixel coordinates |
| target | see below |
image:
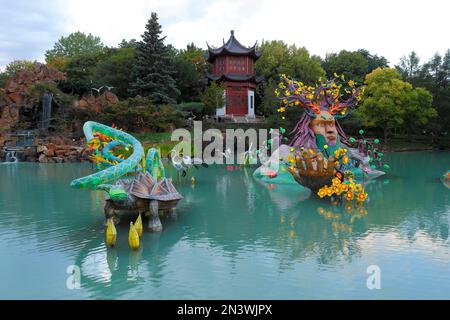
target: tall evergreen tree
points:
(153, 73)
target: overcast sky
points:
(390, 28)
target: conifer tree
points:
(153, 72)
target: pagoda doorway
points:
(237, 100)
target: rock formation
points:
(18, 87)
(96, 103)
(17, 90)
(59, 149)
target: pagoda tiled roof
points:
(233, 47)
(235, 77)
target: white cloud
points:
(385, 27)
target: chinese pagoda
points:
(233, 64)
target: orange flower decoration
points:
(336, 181)
(329, 192)
(349, 196)
(361, 196)
(343, 187)
(322, 192)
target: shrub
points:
(140, 115)
(196, 108)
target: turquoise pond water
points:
(234, 238)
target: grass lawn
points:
(156, 139)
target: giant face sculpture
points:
(324, 125)
(315, 132)
(322, 105)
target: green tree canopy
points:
(435, 76)
(195, 56)
(213, 97)
(191, 66)
(13, 67)
(291, 60)
(352, 64)
(409, 66)
(75, 44)
(17, 65)
(80, 71)
(373, 61)
(115, 69)
(153, 72)
(419, 109)
(393, 103)
(267, 90)
(128, 43)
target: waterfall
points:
(11, 156)
(46, 110)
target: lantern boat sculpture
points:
(134, 183)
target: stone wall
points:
(55, 149)
(50, 153)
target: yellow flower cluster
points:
(340, 152)
(289, 90)
(350, 191)
(360, 94)
(341, 155)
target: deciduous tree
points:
(352, 64)
(213, 97)
(393, 103)
(292, 60)
(115, 70)
(409, 66)
(191, 66)
(75, 44)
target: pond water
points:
(233, 238)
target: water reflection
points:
(245, 216)
(342, 217)
(231, 232)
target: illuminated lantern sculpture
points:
(319, 149)
(323, 105)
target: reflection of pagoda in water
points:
(233, 64)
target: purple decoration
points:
(304, 136)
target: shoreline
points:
(59, 149)
(81, 155)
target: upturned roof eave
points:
(234, 48)
(235, 77)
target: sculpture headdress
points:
(334, 96)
